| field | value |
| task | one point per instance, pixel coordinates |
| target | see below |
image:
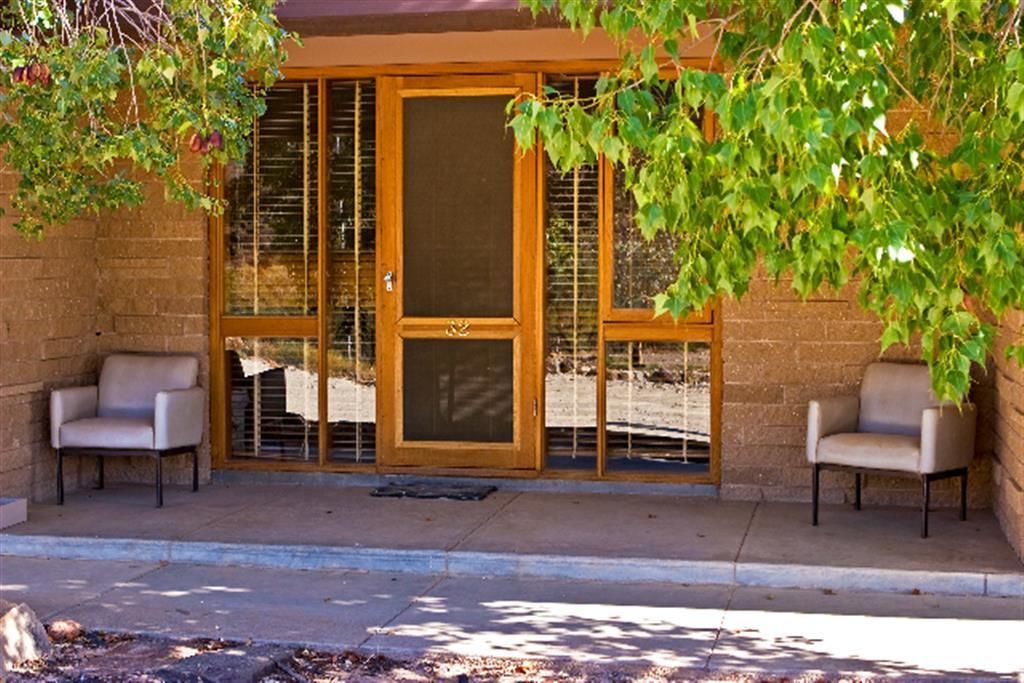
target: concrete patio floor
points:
(609, 537)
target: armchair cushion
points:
(179, 418)
(892, 397)
(875, 451)
(108, 432)
(129, 383)
(68, 405)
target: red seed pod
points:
(216, 141)
(205, 147)
(34, 72)
(19, 74)
(195, 143)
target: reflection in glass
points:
(457, 188)
(351, 388)
(641, 268)
(571, 204)
(658, 406)
(273, 397)
(457, 390)
(271, 215)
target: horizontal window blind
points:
(271, 218)
(571, 202)
(352, 224)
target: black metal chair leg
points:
(815, 480)
(60, 477)
(926, 485)
(99, 474)
(159, 481)
(195, 470)
(963, 496)
(856, 488)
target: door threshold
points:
(536, 484)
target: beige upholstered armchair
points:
(144, 405)
(896, 425)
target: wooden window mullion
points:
(323, 254)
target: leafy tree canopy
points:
(93, 91)
(806, 173)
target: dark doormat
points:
(431, 490)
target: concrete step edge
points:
(484, 564)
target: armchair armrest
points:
(178, 418)
(830, 416)
(947, 437)
(68, 405)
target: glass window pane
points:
(271, 215)
(458, 160)
(571, 204)
(273, 397)
(351, 392)
(641, 268)
(457, 390)
(658, 406)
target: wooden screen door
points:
(458, 333)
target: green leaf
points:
(648, 63)
(1015, 99)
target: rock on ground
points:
(64, 630)
(22, 636)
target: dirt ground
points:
(97, 657)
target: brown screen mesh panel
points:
(457, 390)
(273, 397)
(271, 217)
(352, 377)
(658, 406)
(457, 207)
(571, 203)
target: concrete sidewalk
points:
(711, 628)
(531, 534)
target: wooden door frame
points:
(392, 326)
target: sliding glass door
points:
(395, 284)
(295, 281)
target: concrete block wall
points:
(779, 353)
(1008, 436)
(48, 295)
(133, 280)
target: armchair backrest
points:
(130, 382)
(893, 396)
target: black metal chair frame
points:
(926, 481)
(102, 453)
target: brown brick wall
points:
(778, 354)
(1008, 437)
(48, 295)
(132, 280)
